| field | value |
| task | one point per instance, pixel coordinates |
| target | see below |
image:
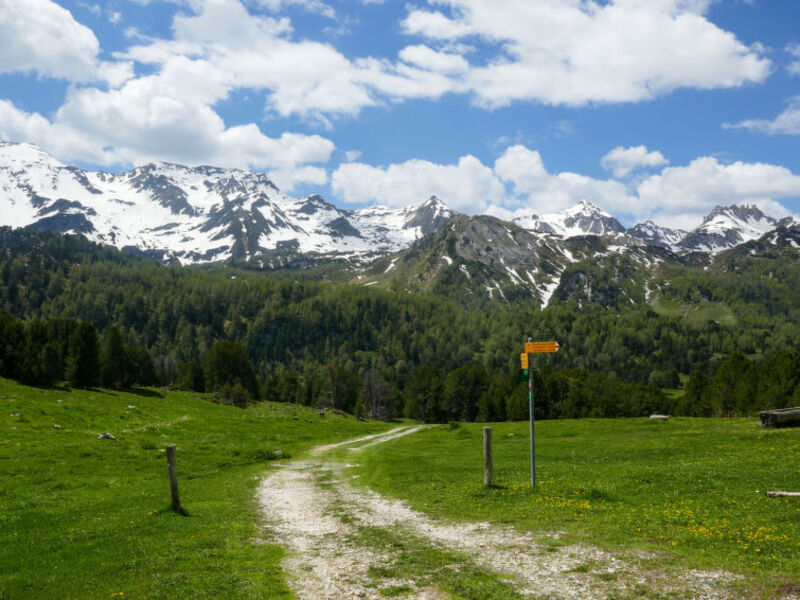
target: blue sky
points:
(649, 108)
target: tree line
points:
(366, 351)
(63, 350)
(48, 352)
(743, 386)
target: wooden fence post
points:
(172, 469)
(488, 463)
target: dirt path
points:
(317, 514)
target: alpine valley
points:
(174, 213)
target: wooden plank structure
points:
(781, 417)
(783, 494)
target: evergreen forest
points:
(82, 314)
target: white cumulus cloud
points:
(537, 190)
(794, 51)
(312, 6)
(573, 53)
(170, 114)
(468, 185)
(300, 77)
(41, 37)
(146, 120)
(518, 181)
(520, 184)
(786, 123)
(428, 58)
(623, 161)
(682, 195)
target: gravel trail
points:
(317, 512)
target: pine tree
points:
(12, 339)
(82, 361)
(424, 395)
(139, 367)
(226, 364)
(112, 360)
(195, 376)
(696, 401)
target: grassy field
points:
(689, 490)
(696, 314)
(82, 517)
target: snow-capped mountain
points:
(728, 226)
(723, 228)
(196, 213)
(582, 219)
(658, 235)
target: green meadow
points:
(690, 492)
(82, 517)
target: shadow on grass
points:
(144, 392)
(495, 486)
(57, 388)
(167, 510)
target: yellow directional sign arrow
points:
(541, 347)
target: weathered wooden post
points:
(172, 469)
(783, 494)
(488, 463)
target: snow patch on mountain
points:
(582, 219)
(196, 214)
(658, 235)
(728, 226)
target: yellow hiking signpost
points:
(541, 347)
(525, 358)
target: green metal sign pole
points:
(530, 407)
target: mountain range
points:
(196, 214)
(175, 213)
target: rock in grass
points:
(105, 436)
(659, 417)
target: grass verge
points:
(82, 517)
(689, 492)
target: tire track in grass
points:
(324, 562)
(551, 571)
(316, 451)
(326, 523)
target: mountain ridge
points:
(175, 213)
(196, 214)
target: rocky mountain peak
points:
(587, 218)
(584, 218)
(657, 235)
(728, 226)
(195, 214)
(742, 212)
(428, 216)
